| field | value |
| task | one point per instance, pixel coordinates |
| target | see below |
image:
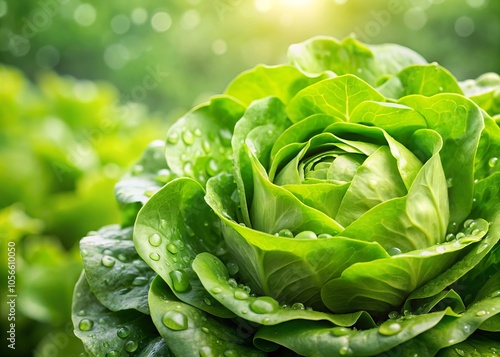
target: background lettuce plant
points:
(345, 203)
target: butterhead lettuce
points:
(344, 203)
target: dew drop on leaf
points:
(493, 162)
(264, 305)
(393, 251)
(173, 138)
(206, 352)
(340, 331)
(216, 290)
(241, 295)
(172, 248)
(467, 328)
(212, 167)
(154, 256)
(230, 353)
(113, 353)
(232, 268)
(306, 235)
(155, 240)
(285, 233)
(389, 328)
(481, 313)
(298, 306)
(131, 346)
(232, 283)
(107, 261)
(180, 280)
(344, 350)
(85, 324)
(175, 320)
(459, 352)
(139, 281)
(123, 332)
(187, 137)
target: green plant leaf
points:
(320, 339)
(263, 309)
(144, 178)
(199, 144)
(488, 151)
(451, 330)
(289, 270)
(336, 97)
(428, 80)
(484, 91)
(117, 275)
(460, 142)
(475, 345)
(107, 333)
(380, 285)
(174, 226)
(190, 332)
(282, 81)
(261, 125)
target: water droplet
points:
(394, 251)
(373, 184)
(85, 324)
(468, 222)
(340, 331)
(450, 237)
(495, 294)
(232, 283)
(230, 353)
(123, 332)
(493, 162)
(460, 235)
(306, 235)
(155, 240)
(212, 167)
(232, 268)
(175, 320)
(173, 138)
(481, 313)
(131, 346)
(482, 247)
(467, 328)
(140, 281)
(205, 144)
(107, 261)
(81, 313)
(325, 235)
(207, 301)
(180, 280)
(197, 132)
(154, 256)
(105, 345)
(113, 353)
(285, 233)
(188, 168)
(264, 305)
(241, 295)
(393, 315)
(163, 176)
(449, 182)
(206, 352)
(225, 137)
(226, 215)
(459, 352)
(216, 290)
(389, 328)
(122, 257)
(187, 137)
(172, 248)
(298, 306)
(344, 350)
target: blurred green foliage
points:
(67, 134)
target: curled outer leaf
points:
(170, 230)
(191, 332)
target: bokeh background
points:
(85, 85)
